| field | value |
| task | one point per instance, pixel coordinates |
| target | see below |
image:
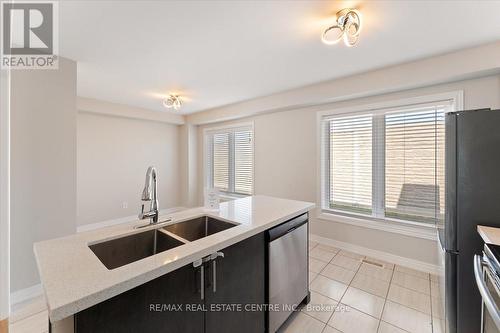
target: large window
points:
(385, 163)
(229, 159)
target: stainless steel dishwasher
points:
(288, 269)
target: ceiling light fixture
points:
(347, 26)
(172, 101)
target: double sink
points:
(125, 250)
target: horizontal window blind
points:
(221, 161)
(229, 160)
(350, 156)
(386, 163)
(243, 162)
(414, 164)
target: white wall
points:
(188, 137)
(113, 156)
(43, 163)
(121, 110)
(4, 194)
(286, 162)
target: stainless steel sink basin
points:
(125, 250)
(197, 228)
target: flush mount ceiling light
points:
(172, 102)
(347, 26)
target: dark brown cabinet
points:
(151, 307)
(173, 302)
(240, 289)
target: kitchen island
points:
(80, 282)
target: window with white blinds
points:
(414, 164)
(386, 163)
(220, 161)
(350, 156)
(243, 162)
(229, 160)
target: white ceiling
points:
(220, 52)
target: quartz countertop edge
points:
(74, 279)
(490, 235)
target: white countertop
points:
(490, 235)
(73, 278)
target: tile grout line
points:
(319, 273)
(349, 285)
(303, 312)
(329, 263)
(430, 299)
(340, 301)
(385, 299)
(321, 270)
(418, 291)
(374, 278)
(408, 306)
(412, 290)
(412, 275)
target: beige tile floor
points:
(349, 293)
(353, 293)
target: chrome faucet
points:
(150, 194)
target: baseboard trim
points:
(25, 294)
(108, 223)
(4, 325)
(389, 257)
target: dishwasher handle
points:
(287, 227)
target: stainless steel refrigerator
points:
(472, 198)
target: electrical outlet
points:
(124, 205)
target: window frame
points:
(377, 220)
(207, 159)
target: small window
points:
(229, 160)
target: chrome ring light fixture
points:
(172, 101)
(347, 27)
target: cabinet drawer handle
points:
(214, 270)
(214, 257)
(199, 263)
(202, 284)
